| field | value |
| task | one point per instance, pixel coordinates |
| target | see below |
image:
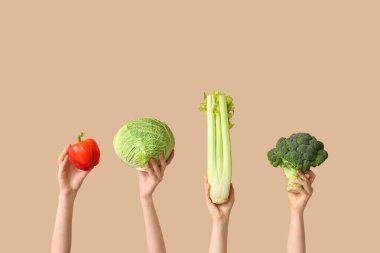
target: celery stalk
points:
(219, 110)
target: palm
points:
(222, 210)
(71, 178)
(219, 211)
(155, 170)
(147, 183)
(300, 194)
(298, 200)
(225, 208)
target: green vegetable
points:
(219, 110)
(299, 152)
(141, 139)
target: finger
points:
(148, 167)
(306, 185)
(312, 176)
(232, 194)
(302, 191)
(149, 171)
(207, 195)
(302, 176)
(162, 163)
(207, 192)
(300, 182)
(83, 174)
(296, 189)
(63, 165)
(170, 159)
(156, 169)
(63, 154)
(141, 174)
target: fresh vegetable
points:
(84, 155)
(141, 139)
(299, 152)
(219, 110)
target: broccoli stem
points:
(291, 174)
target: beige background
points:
(92, 65)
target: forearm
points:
(154, 237)
(219, 235)
(296, 237)
(61, 242)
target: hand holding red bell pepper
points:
(84, 155)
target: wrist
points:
(221, 221)
(146, 199)
(296, 212)
(68, 196)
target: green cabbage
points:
(141, 139)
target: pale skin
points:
(220, 215)
(70, 180)
(298, 197)
(148, 181)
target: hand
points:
(219, 212)
(300, 194)
(69, 177)
(148, 180)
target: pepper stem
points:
(80, 136)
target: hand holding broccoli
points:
(296, 154)
(301, 191)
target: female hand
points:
(69, 177)
(149, 180)
(219, 212)
(300, 194)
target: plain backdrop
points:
(91, 66)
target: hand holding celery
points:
(220, 214)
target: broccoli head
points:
(299, 152)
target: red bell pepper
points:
(84, 155)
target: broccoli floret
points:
(299, 152)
